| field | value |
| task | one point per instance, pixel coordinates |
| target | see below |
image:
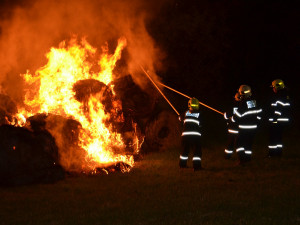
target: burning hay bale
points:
(159, 128)
(82, 110)
(27, 157)
(136, 103)
(86, 88)
(64, 131)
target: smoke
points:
(33, 27)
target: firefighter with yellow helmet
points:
(279, 117)
(232, 127)
(191, 135)
(247, 116)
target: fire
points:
(51, 91)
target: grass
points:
(156, 191)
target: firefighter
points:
(247, 116)
(279, 117)
(232, 127)
(191, 135)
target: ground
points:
(156, 191)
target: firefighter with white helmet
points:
(279, 117)
(247, 116)
(191, 135)
(232, 128)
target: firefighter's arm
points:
(181, 117)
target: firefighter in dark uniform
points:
(279, 117)
(191, 135)
(232, 128)
(247, 116)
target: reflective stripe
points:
(279, 119)
(196, 158)
(277, 112)
(248, 112)
(232, 119)
(258, 117)
(236, 112)
(248, 152)
(192, 114)
(275, 146)
(228, 151)
(283, 119)
(190, 133)
(192, 120)
(183, 157)
(272, 146)
(252, 112)
(240, 149)
(225, 116)
(247, 126)
(280, 103)
(233, 131)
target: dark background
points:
(212, 47)
(215, 46)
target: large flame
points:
(51, 91)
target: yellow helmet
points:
(193, 104)
(245, 90)
(277, 84)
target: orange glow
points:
(51, 91)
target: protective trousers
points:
(244, 144)
(231, 142)
(188, 144)
(275, 139)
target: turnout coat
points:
(191, 124)
(247, 115)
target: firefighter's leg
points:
(184, 154)
(231, 138)
(197, 165)
(240, 150)
(279, 141)
(272, 140)
(249, 137)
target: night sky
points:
(215, 46)
(212, 47)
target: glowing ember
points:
(51, 91)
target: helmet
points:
(237, 97)
(193, 104)
(245, 90)
(277, 84)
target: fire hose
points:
(176, 92)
